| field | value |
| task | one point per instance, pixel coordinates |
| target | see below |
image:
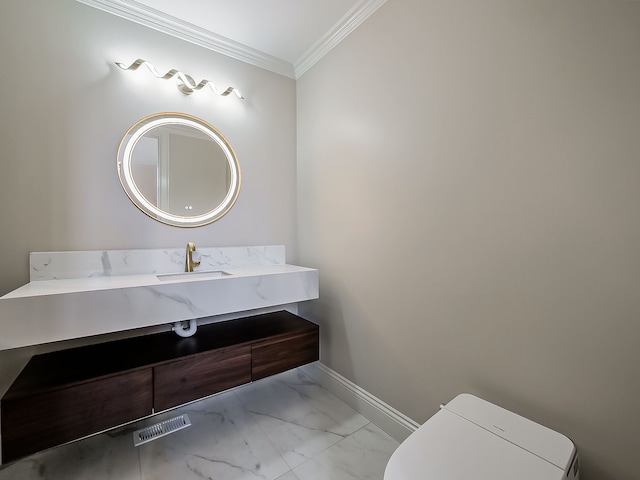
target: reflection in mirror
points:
(178, 169)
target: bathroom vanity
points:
(69, 394)
(66, 395)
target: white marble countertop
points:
(80, 294)
(77, 285)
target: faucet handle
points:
(195, 258)
(189, 262)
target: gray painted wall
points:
(65, 106)
(469, 187)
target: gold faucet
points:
(189, 262)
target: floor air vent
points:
(160, 429)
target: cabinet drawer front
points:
(271, 357)
(186, 380)
(43, 421)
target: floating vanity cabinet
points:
(66, 395)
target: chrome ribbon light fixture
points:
(186, 84)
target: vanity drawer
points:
(278, 355)
(42, 421)
(195, 377)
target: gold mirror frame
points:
(125, 164)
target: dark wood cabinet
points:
(48, 419)
(62, 396)
(277, 355)
(183, 381)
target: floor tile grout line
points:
(275, 449)
(310, 380)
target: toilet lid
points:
(449, 447)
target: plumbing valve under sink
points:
(185, 328)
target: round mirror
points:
(178, 169)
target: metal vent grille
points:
(160, 429)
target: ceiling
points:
(284, 36)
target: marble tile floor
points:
(286, 427)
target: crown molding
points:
(347, 24)
(160, 21)
(149, 17)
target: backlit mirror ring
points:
(131, 188)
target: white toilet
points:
(470, 438)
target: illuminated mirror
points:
(178, 169)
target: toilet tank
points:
(470, 438)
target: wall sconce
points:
(186, 84)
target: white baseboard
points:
(390, 420)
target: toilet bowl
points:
(470, 438)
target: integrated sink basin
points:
(163, 277)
